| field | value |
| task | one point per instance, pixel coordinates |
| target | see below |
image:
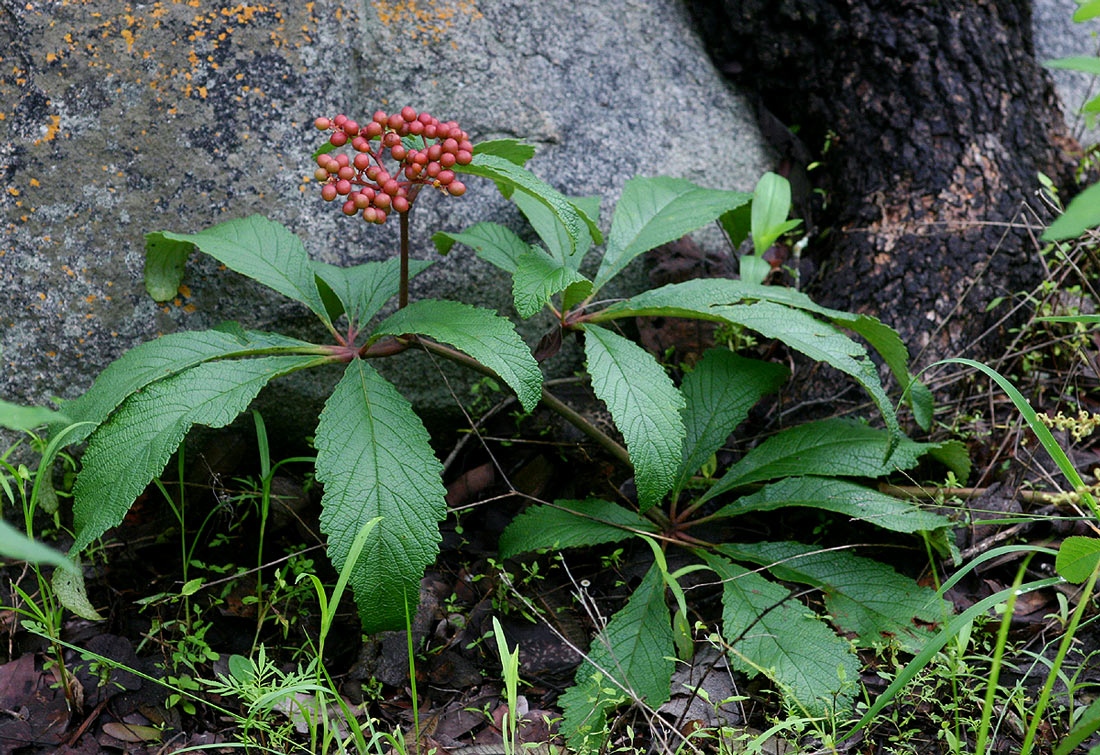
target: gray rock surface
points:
(1057, 36)
(119, 119)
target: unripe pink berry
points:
(373, 172)
(369, 193)
(361, 200)
(380, 116)
(395, 120)
(416, 128)
(446, 176)
(429, 131)
(401, 204)
(320, 174)
(424, 118)
(403, 191)
(383, 176)
(349, 208)
(456, 188)
(323, 159)
(463, 157)
(346, 173)
(359, 144)
(465, 145)
(343, 187)
(332, 167)
(421, 158)
(446, 159)
(380, 218)
(382, 201)
(338, 139)
(372, 129)
(434, 168)
(339, 120)
(369, 214)
(362, 162)
(408, 113)
(450, 145)
(398, 152)
(412, 171)
(328, 192)
(322, 124)
(391, 139)
(351, 128)
(342, 160)
(390, 187)
(434, 152)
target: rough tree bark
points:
(941, 118)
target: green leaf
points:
(1082, 214)
(771, 202)
(569, 524)
(364, 289)
(654, 211)
(165, 260)
(862, 596)
(16, 417)
(737, 223)
(773, 633)
(832, 447)
(264, 251)
(515, 177)
(842, 497)
(512, 150)
(636, 648)
(719, 393)
(68, 586)
(553, 233)
(753, 269)
(1085, 63)
(1077, 558)
(539, 276)
(481, 333)
(133, 445)
(161, 358)
(15, 544)
(645, 406)
(493, 243)
(1086, 723)
(1088, 9)
(575, 294)
(375, 460)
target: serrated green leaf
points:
(654, 211)
(512, 150)
(375, 460)
(1088, 9)
(1077, 557)
(539, 276)
(492, 242)
(133, 445)
(833, 447)
(515, 177)
(262, 250)
(364, 289)
(772, 632)
(771, 202)
(842, 497)
(165, 260)
(569, 524)
(575, 294)
(15, 544)
(1081, 214)
(862, 596)
(68, 586)
(16, 417)
(481, 333)
(737, 223)
(645, 406)
(1084, 63)
(719, 393)
(637, 649)
(953, 455)
(161, 358)
(553, 233)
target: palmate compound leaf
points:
(553, 233)
(481, 333)
(491, 242)
(654, 211)
(569, 524)
(262, 250)
(835, 447)
(645, 405)
(857, 502)
(364, 289)
(719, 393)
(374, 459)
(539, 276)
(636, 649)
(772, 632)
(160, 358)
(862, 596)
(133, 445)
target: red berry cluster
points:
(363, 179)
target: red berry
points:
(446, 159)
(346, 173)
(349, 208)
(322, 124)
(359, 144)
(383, 176)
(372, 129)
(380, 116)
(391, 139)
(430, 131)
(408, 113)
(416, 128)
(450, 145)
(395, 120)
(445, 176)
(382, 201)
(463, 157)
(342, 160)
(368, 192)
(434, 152)
(343, 187)
(457, 188)
(398, 152)
(465, 145)
(360, 199)
(424, 118)
(338, 139)
(433, 169)
(401, 204)
(420, 158)
(320, 174)
(412, 171)
(373, 172)
(339, 120)
(332, 167)
(362, 162)
(322, 159)
(369, 214)
(403, 129)
(328, 192)
(390, 187)
(380, 218)
(351, 128)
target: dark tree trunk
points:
(941, 119)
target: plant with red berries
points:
(373, 454)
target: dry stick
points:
(932, 493)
